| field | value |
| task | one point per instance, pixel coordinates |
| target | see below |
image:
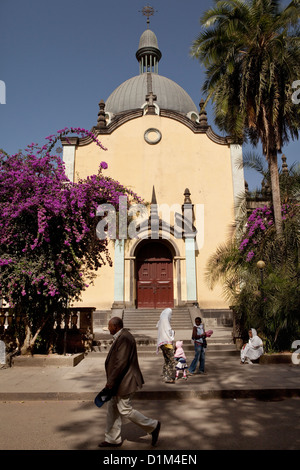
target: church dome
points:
(148, 39)
(132, 93)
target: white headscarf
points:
(165, 334)
(255, 341)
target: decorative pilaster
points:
(119, 274)
(190, 255)
(190, 262)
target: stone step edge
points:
(263, 394)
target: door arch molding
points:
(176, 267)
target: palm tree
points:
(274, 306)
(251, 51)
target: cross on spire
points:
(148, 11)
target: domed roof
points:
(148, 39)
(131, 94)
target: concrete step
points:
(147, 318)
(214, 354)
(221, 335)
(220, 344)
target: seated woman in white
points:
(253, 349)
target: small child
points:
(180, 358)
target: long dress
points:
(253, 349)
(165, 338)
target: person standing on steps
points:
(198, 336)
(165, 338)
(124, 377)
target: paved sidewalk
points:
(225, 378)
(233, 406)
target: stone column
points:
(189, 239)
(119, 275)
(190, 262)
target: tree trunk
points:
(26, 347)
(30, 339)
(273, 166)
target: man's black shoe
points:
(155, 434)
(108, 444)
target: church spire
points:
(148, 53)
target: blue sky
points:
(59, 58)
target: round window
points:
(152, 136)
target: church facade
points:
(160, 145)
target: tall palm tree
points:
(251, 51)
(276, 312)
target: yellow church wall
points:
(182, 159)
(100, 293)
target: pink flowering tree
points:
(49, 251)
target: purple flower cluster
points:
(258, 222)
(103, 165)
(48, 245)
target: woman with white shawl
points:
(165, 338)
(253, 349)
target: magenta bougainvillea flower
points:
(48, 243)
(103, 165)
(258, 222)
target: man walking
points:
(124, 377)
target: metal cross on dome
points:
(148, 11)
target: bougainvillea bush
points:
(256, 233)
(266, 300)
(49, 251)
(273, 304)
(258, 222)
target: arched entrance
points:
(154, 275)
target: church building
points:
(160, 145)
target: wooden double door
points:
(154, 276)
